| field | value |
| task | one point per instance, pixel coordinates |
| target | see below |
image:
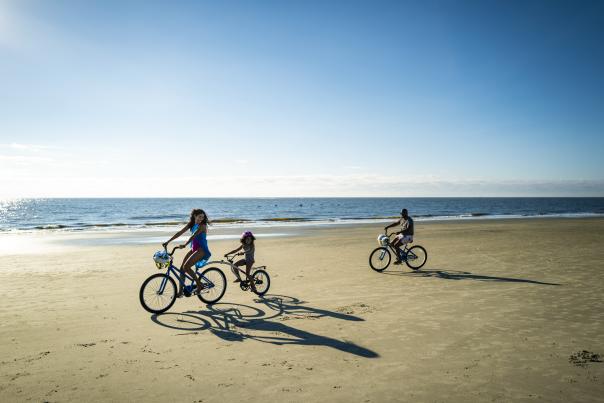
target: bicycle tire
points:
(385, 256)
(265, 283)
(418, 254)
(214, 294)
(149, 293)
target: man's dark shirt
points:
(409, 229)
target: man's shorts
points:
(404, 239)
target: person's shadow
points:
(463, 275)
(238, 322)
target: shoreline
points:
(40, 242)
(281, 223)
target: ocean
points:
(146, 213)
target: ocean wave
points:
(285, 221)
(163, 223)
(158, 217)
(229, 220)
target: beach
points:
(497, 314)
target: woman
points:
(198, 225)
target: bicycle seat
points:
(201, 263)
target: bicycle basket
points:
(383, 240)
(162, 259)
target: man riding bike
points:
(405, 236)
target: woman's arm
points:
(201, 228)
(178, 234)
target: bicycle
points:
(262, 280)
(379, 259)
(158, 292)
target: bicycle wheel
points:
(416, 257)
(215, 279)
(379, 259)
(158, 293)
(262, 282)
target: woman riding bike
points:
(198, 225)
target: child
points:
(247, 244)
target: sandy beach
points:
(495, 315)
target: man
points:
(405, 236)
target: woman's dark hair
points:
(195, 212)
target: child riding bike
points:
(247, 244)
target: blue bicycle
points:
(158, 292)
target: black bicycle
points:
(379, 260)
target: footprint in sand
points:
(584, 358)
(355, 308)
(19, 375)
(148, 350)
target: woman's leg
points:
(189, 262)
(182, 273)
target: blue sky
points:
(301, 98)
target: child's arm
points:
(235, 250)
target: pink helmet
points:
(246, 234)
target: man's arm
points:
(394, 224)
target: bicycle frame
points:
(234, 268)
(176, 272)
(404, 250)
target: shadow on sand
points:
(238, 322)
(463, 275)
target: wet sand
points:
(500, 312)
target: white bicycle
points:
(260, 277)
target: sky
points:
(301, 98)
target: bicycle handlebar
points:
(230, 256)
(173, 250)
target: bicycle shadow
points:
(294, 307)
(239, 322)
(464, 275)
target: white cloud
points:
(23, 159)
(293, 186)
(29, 147)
